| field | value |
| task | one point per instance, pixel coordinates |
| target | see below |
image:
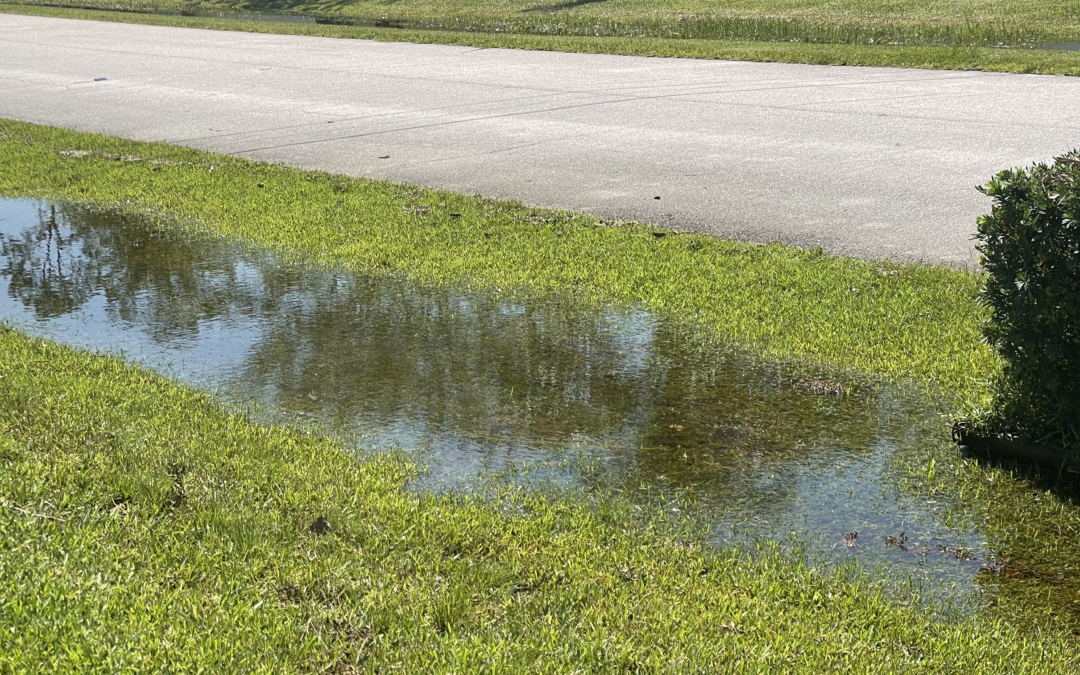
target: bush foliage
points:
(1030, 246)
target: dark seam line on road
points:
(621, 88)
(427, 126)
(516, 114)
(803, 106)
(73, 88)
(376, 72)
(487, 153)
(357, 118)
(953, 75)
(896, 116)
(582, 105)
(564, 92)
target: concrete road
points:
(869, 162)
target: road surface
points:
(867, 162)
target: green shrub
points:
(1030, 246)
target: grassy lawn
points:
(145, 528)
(955, 34)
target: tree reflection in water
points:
(482, 378)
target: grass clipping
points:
(144, 527)
(898, 321)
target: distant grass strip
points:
(1019, 60)
(972, 23)
(145, 528)
(882, 318)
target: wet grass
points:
(144, 527)
(930, 35)
(177, 519)
(899, 321)
(893, 320)
(1031, 521)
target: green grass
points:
(897, 321)
(911, 34)
(1032, 525)
(908, 22)
(145, 528)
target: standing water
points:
(478, 382)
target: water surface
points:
(476, 382)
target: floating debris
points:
(899, 541)
(959, 552)
(994, 567)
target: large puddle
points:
(475, 383)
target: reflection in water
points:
(481, 382)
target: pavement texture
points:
(867, 162)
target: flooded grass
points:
(885, 319)
(138, 515)
(553, 393)
(1001, 47)
(1032, 524)
(544, 389)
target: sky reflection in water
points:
(477, 382)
